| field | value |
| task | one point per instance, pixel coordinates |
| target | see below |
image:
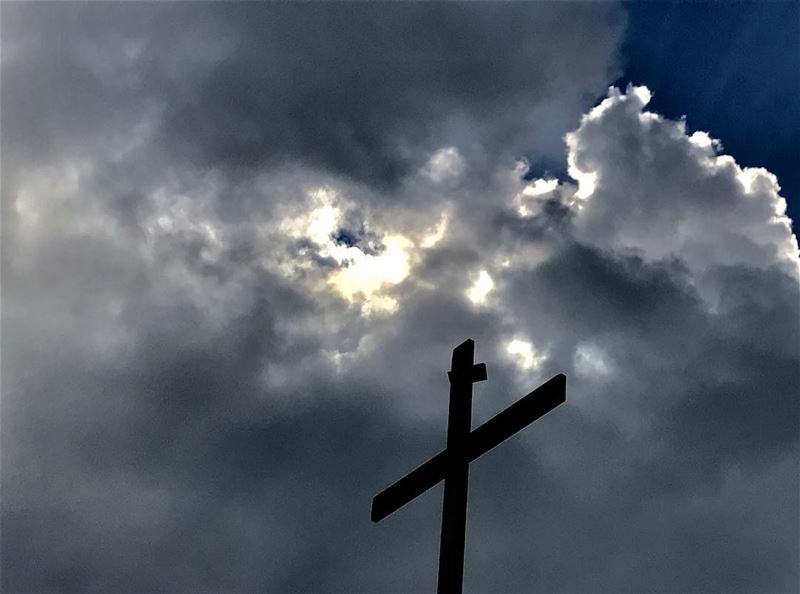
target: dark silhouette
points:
(464, 446)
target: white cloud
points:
(648, 186)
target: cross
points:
(464, 446)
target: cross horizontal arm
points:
(493, 432)
(410, 486)
(517, 416)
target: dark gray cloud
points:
(356, 88)
(238, 246)
(361, 88)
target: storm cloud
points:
(240, 241)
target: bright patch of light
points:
(317, 223)
(702, 139)
(587, 180)
(361, 275)
(539, 187)
(524, 354)
(642, 93)
(367, 274)
(478, 292)
(434, 236)
(322, 223)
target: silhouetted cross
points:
(464, 446)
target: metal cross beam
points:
(464, 446)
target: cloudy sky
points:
(239, 242)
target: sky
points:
(240, 240)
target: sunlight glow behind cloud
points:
(359, 274)
(481, 288)
(523, 353)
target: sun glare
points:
(524, 354)
(481, 288)
(360, 274)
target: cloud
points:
(203, 386)
(356, 89)
(680, 196)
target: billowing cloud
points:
(680, 196)
(235, 260)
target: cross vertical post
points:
(462, 374)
